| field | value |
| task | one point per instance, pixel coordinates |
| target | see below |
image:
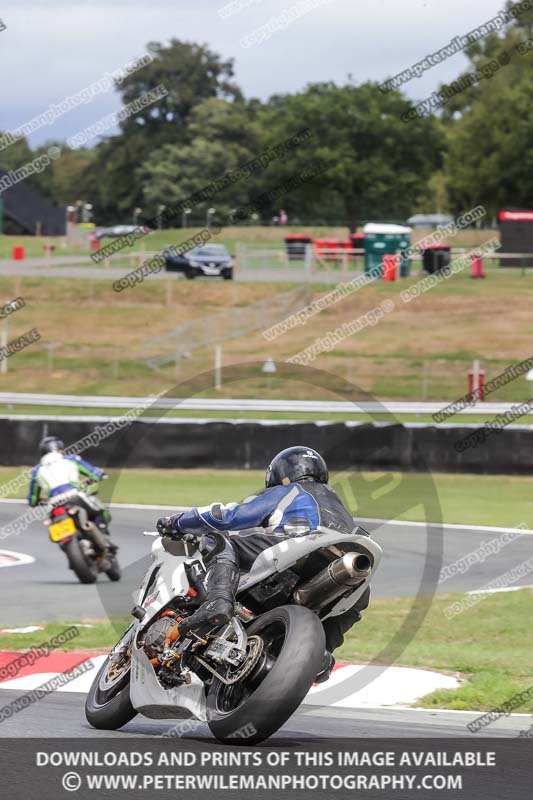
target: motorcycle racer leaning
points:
(57, 472)
(296, 499)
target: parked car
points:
(119, 230)
(208, 260)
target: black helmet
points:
(296, 464)
(50, 444)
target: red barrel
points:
(390, 267)
(94, 243)
(478, 267)
(18, 253)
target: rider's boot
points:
(220, 584)
(326, 669)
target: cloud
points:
(57, 47)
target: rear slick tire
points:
(252, 710)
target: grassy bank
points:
(421, 350)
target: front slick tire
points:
(108, 705)
(114, 573)
(253, 709)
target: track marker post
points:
(476, 382)
(218, 367)
(3, 343)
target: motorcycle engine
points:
(154, 639)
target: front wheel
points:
(108, 705)
(251, 710)
(114, 573)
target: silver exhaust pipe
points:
(96, 536)
(339, 576)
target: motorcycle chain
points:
(249, 664)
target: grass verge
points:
(101, 636)
(489, 646)
(464, 645)
(34, 246)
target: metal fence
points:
(331, 265)
(229, 324)
(325, 265)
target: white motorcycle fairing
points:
(287, 552)
(167, 579)
(152, 700)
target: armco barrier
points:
(249, 445)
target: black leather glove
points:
(166, 526)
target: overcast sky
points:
(53, 48)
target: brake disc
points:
(255, 644)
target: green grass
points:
(101, 636)
(157, 240)
(229, 236)
(463, 646)
(489, 646)
(493, 500)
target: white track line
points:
(503, 589)
(134, 506)
(417, 709)
(473, 528)
(398, 523)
